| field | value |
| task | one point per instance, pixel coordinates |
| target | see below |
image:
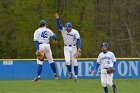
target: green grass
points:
(67, 86)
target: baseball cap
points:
(105, 45)
(42, 22)
(68, 25)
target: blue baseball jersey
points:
(42, 35)
(106, 60)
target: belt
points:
(70, 45)
(43, 43)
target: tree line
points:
(113, 21)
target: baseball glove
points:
(110, 70)
(77, 54)
(40, 55)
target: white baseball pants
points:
(45, 48)
(69, 52)
(106, 79)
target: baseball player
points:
(106, 59)
(41, 39)
(70, 37)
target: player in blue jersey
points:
(71, 37)
(41, 39)
(106, 60)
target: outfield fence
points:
(18, 69)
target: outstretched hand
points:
(94, 72)
(79, 50)
(54, 41)
(56, 16)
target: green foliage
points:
(98, 21)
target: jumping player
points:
(70, 37)
(106, 59)
(41, 39)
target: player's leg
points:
(67, 60)
(110, 82)
(39, 70)
(75, 63)
(104, 82)
(48, 54)
(39, 64)
(114, 88)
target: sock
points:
(69, 68)
(39, 70)
(53, 67)
(106, 89)
(76, 70)
(113, 85)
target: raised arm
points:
(58, 21)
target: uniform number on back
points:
(108, 62)
(44, 34)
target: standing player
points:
(107, 60)
(70, 37)
(41, 39)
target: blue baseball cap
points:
(42, 22)
(105, 45)
(68, 25)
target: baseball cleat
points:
(114, 88)
(56, 77)
(36, 79)
(70, 76)
(76, 79)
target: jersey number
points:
(44, 34)
(108, 62)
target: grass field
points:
(67, 86)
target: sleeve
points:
(97, 63)
(99, 59)
(79, 42)
(36, 40)
(54, 37)
(51, 33)
(59, 24)
(114, 65)
(77, 36)
(97, 66)
(37, 45)
(35, 36)
(113, 58)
